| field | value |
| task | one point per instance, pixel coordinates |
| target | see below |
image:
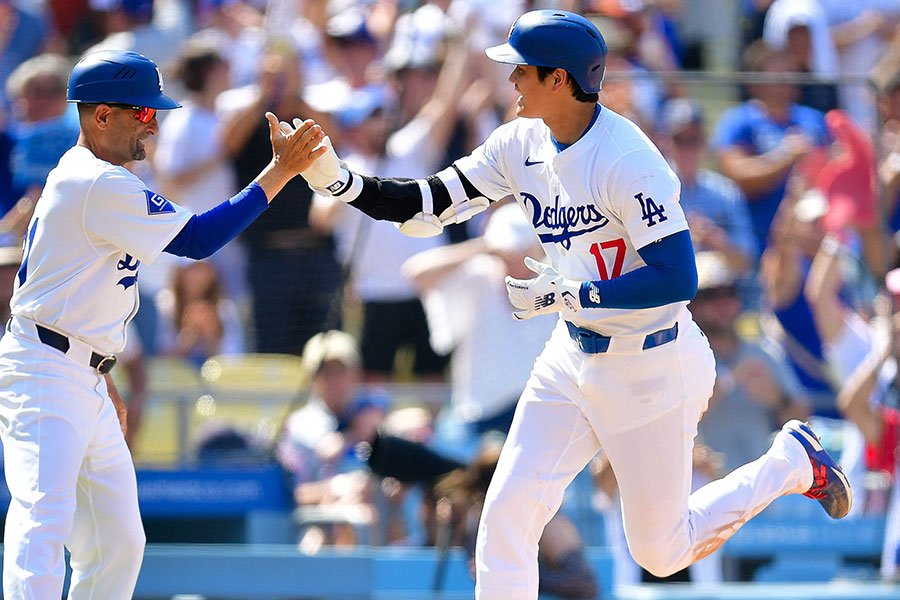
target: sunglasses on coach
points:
(143, 114)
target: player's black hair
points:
(580, 94)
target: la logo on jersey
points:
(157, 205)
(128, 264)
(651, 210)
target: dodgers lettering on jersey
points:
(93, 227)
(593, 205)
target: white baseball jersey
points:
(94, 225)
(593, 205)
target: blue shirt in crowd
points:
(40, 145)
(750, 127)
(720, 200)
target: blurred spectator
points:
(235, 29)
(861, 31)
(758, 142)
(190, 157)
(754, 393)
(220, 444)
(869, 399)
(372, 251)
(292, 271)
(23, 32)
(468, 312)
(655, 46)
(9, 195)
(848, 180)
(715, 207)
(353, 54)
(197, 320)
(457, 492)
(638, 98)
(800, 27)
(133, 364)
(154, 28)
(10, 259)
(846, 340)
(753, 20)
(889, 159)
(317, 444)
(43, 127)
(784, 267)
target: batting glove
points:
(549, 292)
(328, 175)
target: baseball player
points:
(626, 369)
(68, 469)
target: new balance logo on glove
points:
(544, 301)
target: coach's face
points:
(120, 134)
(134, 132)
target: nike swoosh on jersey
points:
(529, 162)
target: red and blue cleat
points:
(830, 486)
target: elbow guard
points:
(463, 205)
(424, 223)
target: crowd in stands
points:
(790, 185)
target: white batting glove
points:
(549, 292)
(328, 175)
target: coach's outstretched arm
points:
(293, 151)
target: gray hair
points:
(42, 65)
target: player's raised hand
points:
(327, 175)
(549, 292)
(295, 149)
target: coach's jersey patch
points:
(157, 205)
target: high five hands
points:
(326, 174)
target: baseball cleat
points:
(830, 486)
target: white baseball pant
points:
(70, 475)
(642, 409)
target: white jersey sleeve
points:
(485, 166)
(643, 192)
(121, 211)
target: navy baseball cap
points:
(118, 76)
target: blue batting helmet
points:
(121, 77)
(559, 39)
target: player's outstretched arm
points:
(419, 207)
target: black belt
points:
(591, 342)
(104, 364)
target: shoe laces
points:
(820, 481)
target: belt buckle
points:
(106, 364)
(586, 342)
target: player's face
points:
(533, 93)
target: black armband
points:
(399, 199)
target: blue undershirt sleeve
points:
(205, 233)
(670, 275)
